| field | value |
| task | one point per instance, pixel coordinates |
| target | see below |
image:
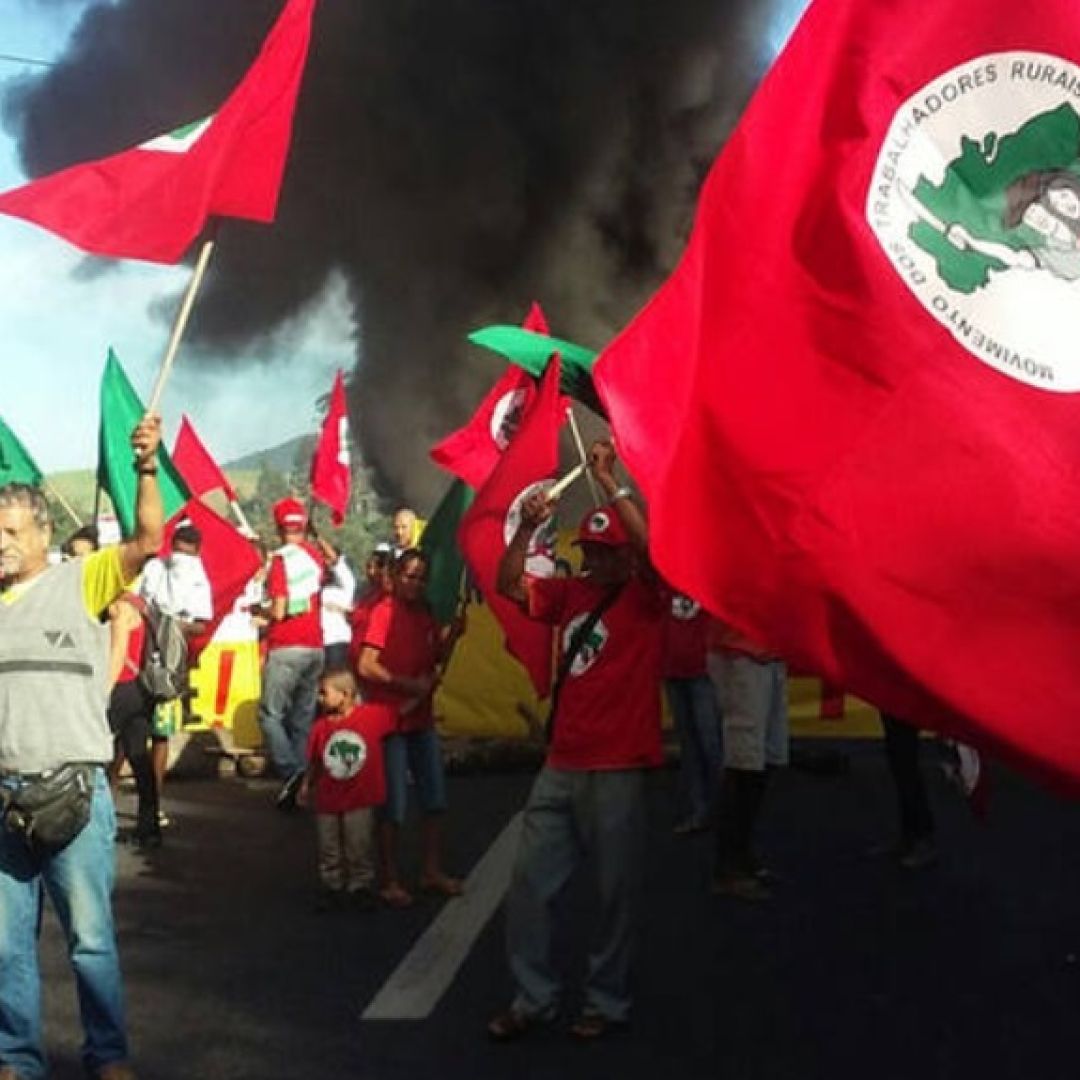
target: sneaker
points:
(513, 1024)
(741, 886)
(163, 820)
(286, 798)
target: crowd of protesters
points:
(349, 670)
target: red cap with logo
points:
(290, 514)
(602, 526)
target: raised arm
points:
(146, 541)
(510, 578)
(602, 459)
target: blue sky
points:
(56, 329)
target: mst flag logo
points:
(975, 199)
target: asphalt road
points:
(855, 969)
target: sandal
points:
(592, 1026)
(396, 897)
(513, 1024)
(441, 885)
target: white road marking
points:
(423, 976)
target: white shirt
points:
(179, 586)
(338, 598)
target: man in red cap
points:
(604, 730)
(294, 648)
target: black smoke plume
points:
(453, 160)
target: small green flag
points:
(532, 351)
(16, 465)
(121, 411)
(446, 566)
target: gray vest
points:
(53, 674)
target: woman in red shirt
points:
(399, 662)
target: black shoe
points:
(286, 799)
(146, 839)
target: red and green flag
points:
(854, 407)
(121, 411)
(152, 201)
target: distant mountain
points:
(282, 458)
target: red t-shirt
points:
(134, 656)
(686, 639)
(349, 753)
(358, 620)
(407, 638)
(609, 705)
(302, 625)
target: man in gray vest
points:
(54, 651)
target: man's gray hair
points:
(29, 498)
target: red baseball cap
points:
(290, 514)
(602, 526)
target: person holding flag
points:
(52, 722)
(604, 731)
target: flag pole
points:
(62, 501)
(181, 322)
(556, 489)
(597, 500)
(245, 525)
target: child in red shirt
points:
(343, 782)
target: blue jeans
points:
(290, 684)
(79, 881)
(417, 753)
(696, 716)
(571, 818)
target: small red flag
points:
(473, 451)
(229, 557)
(852, 408)
(200, 471)
(529, 463)
(151, 202)
(331, 468)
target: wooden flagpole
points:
(594, 491)
(180, 325)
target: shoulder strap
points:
(577, 640)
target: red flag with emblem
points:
(529, 464)
(859, 385)
(331, 469)
(152, 201)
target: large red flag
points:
(151, 202)
(229, 557)
(529, 464)
(853, 405)
(331, 469)
(200, 471)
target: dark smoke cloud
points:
(453, 159)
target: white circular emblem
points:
(590, 648)
(506, 417)
(344, 754)
(540, 554)
(975, 199)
